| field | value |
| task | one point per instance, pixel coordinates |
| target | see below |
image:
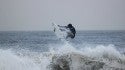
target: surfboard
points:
(61, 32)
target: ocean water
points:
(42, 50)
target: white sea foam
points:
(102, 51)
(77, 59)
(10, 61)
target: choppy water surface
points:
(42, 50)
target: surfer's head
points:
(69, 25)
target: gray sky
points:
(83, 14)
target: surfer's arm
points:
(62, 26)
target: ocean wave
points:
(64, 57)
(10, 61)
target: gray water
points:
(34, 50)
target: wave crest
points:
(64, 57)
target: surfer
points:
(72, 30)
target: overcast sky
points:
(83, 14)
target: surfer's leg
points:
(54, 29)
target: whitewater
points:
(41, 50)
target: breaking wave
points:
(64, 57)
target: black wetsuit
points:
(72, 29)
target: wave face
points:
(64, 58)
(43, 51)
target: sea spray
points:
(96, 58)
(10, 61)
(64, 57)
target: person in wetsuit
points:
(72, 29)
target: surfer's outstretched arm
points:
(62, 26)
